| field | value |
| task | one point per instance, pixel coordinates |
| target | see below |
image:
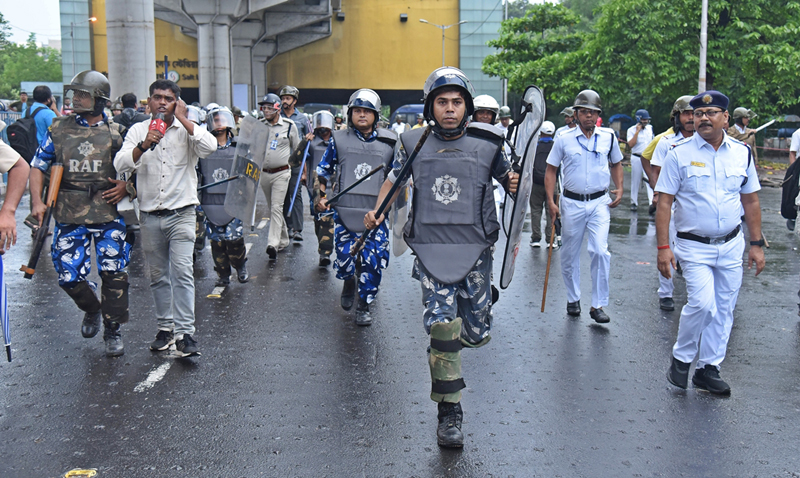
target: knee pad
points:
(115, 296)
(83, 295)
(445, 362)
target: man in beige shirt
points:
(281, 141)
(16, 167)
(166, 184)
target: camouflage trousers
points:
(323, 227)
(469, 299)
(199, 228)
(227, 246)
(374, 257)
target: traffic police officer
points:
(452, 230)
(86, 142)
(585, 153)
(353, 153)
(712, 178)
(223, 230)
(639, 136)
(323, 124)
(486, 109)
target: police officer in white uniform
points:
(639, 136)
(590, 157)
(683, 122)
(712, 177)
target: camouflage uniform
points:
(81, 213)
(746, 137)
(374, 258)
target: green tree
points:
(26, 62)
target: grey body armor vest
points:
(356, 159)
(88, 157)
(315, 153)
(453, 218)
(216, 167)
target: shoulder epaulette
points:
(681, 142)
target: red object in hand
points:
(157, 124)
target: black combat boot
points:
(91, 324)
(223, 281)
(113, 339)
(241, 274)
(448, 433)
(348, 293)
(362, 313)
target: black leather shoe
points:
(91, 324)
(599, 316)
(448, 432)
(574, 308)
(348, 293)
(707, 378)
(241, 274)
(634, 207)
(666, 303)
(324, 260)
(272, 253)
(363, 317)
(678, 373)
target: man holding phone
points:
(167, 191)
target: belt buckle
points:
(716, 240)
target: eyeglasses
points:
(710, 113)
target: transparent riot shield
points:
(240, 198)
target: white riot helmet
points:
(322, 119)
(364, 98)
(220, 118)
(548, 128)
(486, 102)
(211, 106)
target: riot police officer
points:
(486, 109)
(294, 219)
(452, 232)
(85, 142)
(352, 154)
(739, 130)
(223, 230)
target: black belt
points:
(276, 170)
(584, 197)
(166, 212)
(711, 240)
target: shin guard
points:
(445, 362)
(83, 295)
(115, 296)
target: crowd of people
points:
(458, 163)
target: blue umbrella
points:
(4, 311)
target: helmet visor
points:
(194, 114)
(219, 120)
(322, 119)
(81, 98)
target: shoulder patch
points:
(680, 143)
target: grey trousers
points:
(168, 243)
(539, 200)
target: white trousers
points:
(578, 217)
(665, 286)
(637, 174)
(275, 187)
(713, 274)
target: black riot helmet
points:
(91, 83)
(447, 76)
(588, 99)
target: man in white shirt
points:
(569, 121)
(399, 127)
(795, 146)
(167, 191)
(639, 136)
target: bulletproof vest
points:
(216, 167)
(540, 161)
(88, 157)
(315, 153)
(356, 159)
(453, 217)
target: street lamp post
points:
(72, 37)
(443, 27)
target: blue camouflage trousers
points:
(232, 231)
(470, 299)
(71, 249)
(374, 257)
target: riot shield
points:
(527, 138)
(398, 217)
(240, 198)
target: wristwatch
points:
(141, 147)
(759, 243)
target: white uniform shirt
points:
(662, 148)
(563, 129)
(645, 137)
(584, 160)
(707, 184)
(795, 143)
(165, 176)
(400, 128)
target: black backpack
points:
(22, 135)
(791, 188)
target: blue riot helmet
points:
(440, 78)
(642, 115)
(364, 98)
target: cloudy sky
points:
(40, 17)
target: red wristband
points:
(666, 246)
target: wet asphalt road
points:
(289, 386)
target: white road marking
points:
(247, 247)
(216, 293)
(263, 223)
(153, 377)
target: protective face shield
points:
(548, 128)
(642, 115)
(322, 119)
(88, 92)
(271, 99)
(195, 114)
(505, 112)
(442, 77)
(588, 99)
(486, 102)
(220, 119)
(290, 91)
(364, 98)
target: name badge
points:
(698, 164)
